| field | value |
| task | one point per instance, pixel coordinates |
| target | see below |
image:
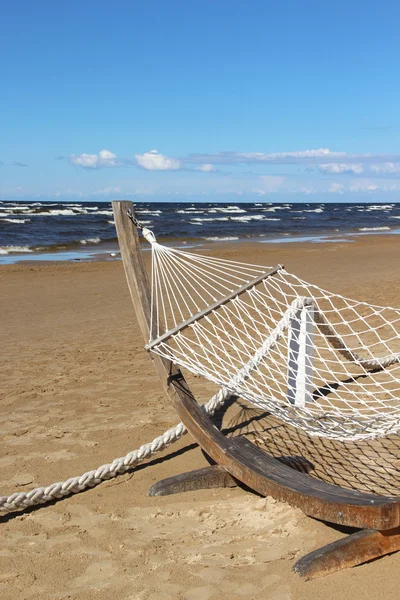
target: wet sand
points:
(78, 390)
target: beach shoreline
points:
(110, 251)
(78, 390)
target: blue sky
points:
(180, 100)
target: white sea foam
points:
(274, 208)
(56, 212)
(191, 208)
(15, 220)
(374, 229)
(16, 209)
(197, 220)
(10, 249)
(148, 212)
(95, 240)
(227, 209)
(380, 207)
(249, 218)
(192, 211)
(113, 222)
(228, 238)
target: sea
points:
(86, 231)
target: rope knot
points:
(149, 235)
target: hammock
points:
(317, 360)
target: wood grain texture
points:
(347, 552)
(213, 476)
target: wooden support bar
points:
(347, 552)
(213, 476)
(200, 479)
(203, 313)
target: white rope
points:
(74, 485)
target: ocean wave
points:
(380, 207)
(274, 208)
(247, 218)
(197, 220)
(189, 208)
(15, 220)
(374, 229)
(228, 238)
(10, 249)
(226, 209)
(56, 212)
(109, 213)
(95, 240)
(16, 210)
(59, 212)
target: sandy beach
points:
(78, 390)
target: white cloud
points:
(338, 168)
(364, 186)
(336, 188)
(388, 168)
(154, 161)
(298, 156)
(317, 153)
(307, 190)
(206, 168)
(103, 159)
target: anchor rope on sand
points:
(74, 485)
(119, 466)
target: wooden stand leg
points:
(350, 551)
(200, 479)
(213, 477)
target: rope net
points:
(321, 362)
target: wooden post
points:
(300, 357)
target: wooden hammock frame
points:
(238, 460)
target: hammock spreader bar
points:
(196, 317)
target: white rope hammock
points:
(317, 360)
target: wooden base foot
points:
(350, 551)
(200, 479)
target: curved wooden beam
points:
(240, 458)
(355, 549)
